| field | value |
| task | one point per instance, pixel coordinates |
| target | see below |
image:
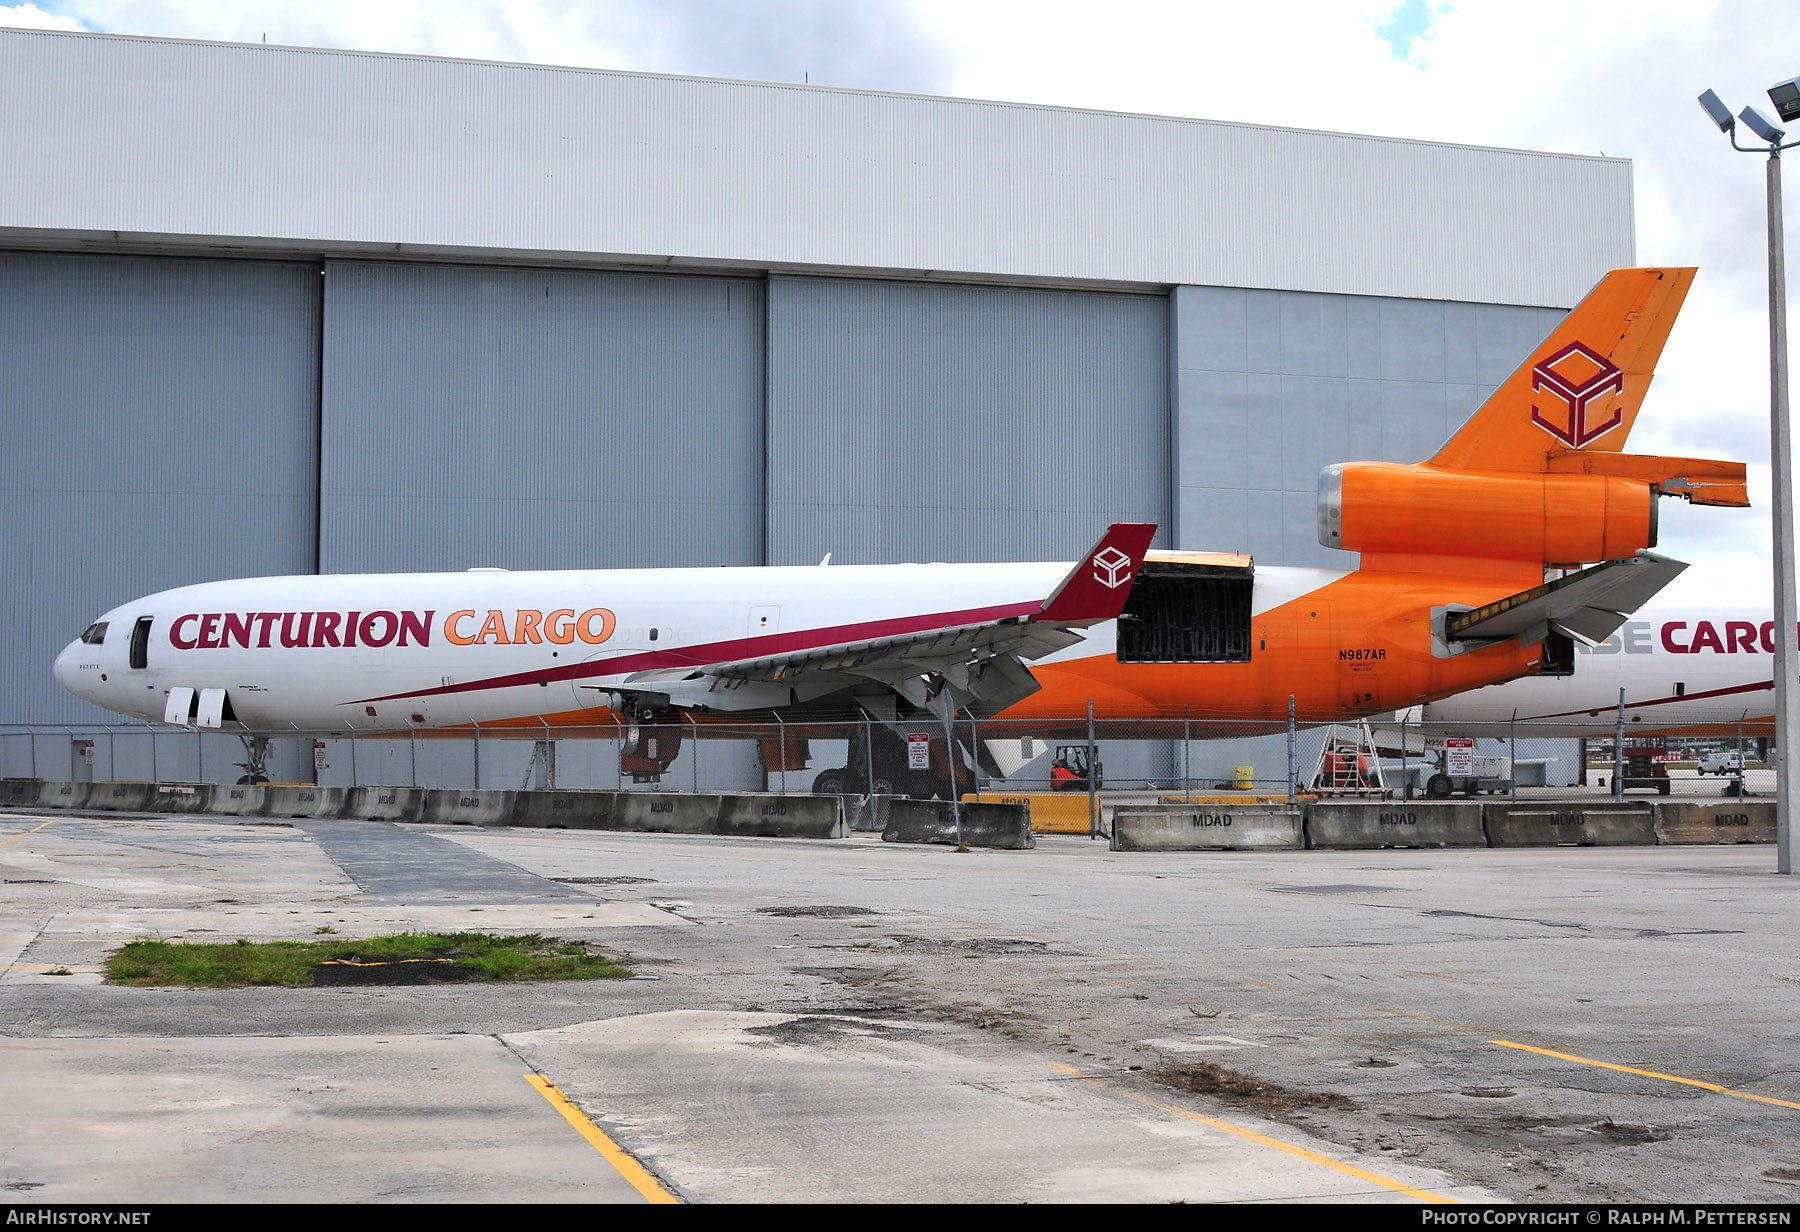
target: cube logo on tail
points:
(1096, 587)
(1584, 383)
(1112, 568)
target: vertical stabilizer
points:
(1581, 388)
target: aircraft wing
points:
(982, 663)
(1588, 605)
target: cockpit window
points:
(95, 633)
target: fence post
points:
(869, 753)
(781, 751)
(199, 757)
(1290, 748)
(354, 780)
(477, 757)
(1092, 774)
(1405, 766)
(949, 760)
(695, 739)
(32, 736)
(1187, 752)
(975, 755)
(1512, 758)
(154, 776)
(112, 753)
(619, 759)
(412, 774)
(1619, 753)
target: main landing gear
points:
(879, 760)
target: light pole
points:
(1786, 97)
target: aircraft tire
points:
(1439, 787)
(831, 783)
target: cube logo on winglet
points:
(1107, 565)
(1581, 380)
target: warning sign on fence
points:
(1460, 753)
(918, 751)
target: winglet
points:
(1096, 588)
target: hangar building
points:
(283, 310)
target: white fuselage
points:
(1680, 668)
(387, 652)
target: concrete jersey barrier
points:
(1006, 826)
(121, 797)
(302, 800)
(1570, 824)
(1234, 827)
(236, 800)
(384, 803)
(1052, 812)
(771, 816)
(449, 807)
(20, 793)
(566, 810)
(1353, 825)
(1721, 821)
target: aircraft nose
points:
(64, 667)
(68, 672)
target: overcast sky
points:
(1617, 77)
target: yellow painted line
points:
(1324, 1161)
(1266, 984)
(380, 962)
(633, 1172)
(33, 830)
(1650, 1073)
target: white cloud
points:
(31, 17)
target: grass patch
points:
(1211, 1078)
(400, 958)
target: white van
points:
(1722, 762)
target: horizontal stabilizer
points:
(1097, 587)
(1587, 606)
(1702, 481)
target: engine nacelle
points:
(1389, 508)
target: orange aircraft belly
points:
(1361, 645)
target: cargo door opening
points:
(1188, 607)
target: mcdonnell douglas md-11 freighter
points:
(1451, 593)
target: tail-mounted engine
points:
(1583, 507)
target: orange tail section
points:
(1537, 475)
(1581, 389)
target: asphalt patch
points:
(816, 913)
(818, 1029)
(1211, 1078)
(971, 945)
(435, 967)
(605, 880)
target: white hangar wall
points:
(327, 311)
(240, 146)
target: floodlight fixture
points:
(1762, 126)
(1786, 97)
(1720, 113)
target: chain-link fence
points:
(1198, 756)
